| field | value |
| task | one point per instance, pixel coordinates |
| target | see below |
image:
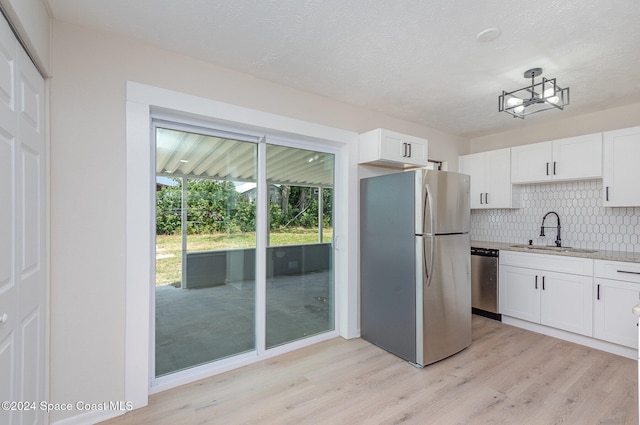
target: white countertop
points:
(630, 257)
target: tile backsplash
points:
(585, 222)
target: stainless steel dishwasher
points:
(484, 282)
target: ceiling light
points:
(535, 98)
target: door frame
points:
(142, 102)
(167, 120)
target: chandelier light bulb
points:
(514, 101)
(549, 97)
(518, 109)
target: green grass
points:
(169, 247)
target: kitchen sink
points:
(556, 248)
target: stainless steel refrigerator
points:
(415, 289)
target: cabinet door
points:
(531, 163)
(390, 149)
(519, 293)
(577, 157)
(474, 166)
(566, 302)
(403, 149)
(621, 173)
(614, 320)
(498, 179)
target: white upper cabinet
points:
(390, 149)
(490, 179)
(573, 158)
(621, 171)
(530, 163)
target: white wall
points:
(608, 119)
(31, 19)
(88, 186)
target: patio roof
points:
(192, 155)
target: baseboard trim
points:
(609, 347)
(90, 418)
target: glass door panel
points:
(299, 284)
(205, 248)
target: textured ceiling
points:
(413, 59)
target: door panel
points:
(612, 319)
(299, 283)
(22, 231)
(566, 302)
(447, 198)
(7, 371)
(205, 293)
(30, 376)
(447, 297)
(529, 163)
(8, 291)
(519, 293)
(31, 231)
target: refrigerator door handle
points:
(428, 270)
(429, 203)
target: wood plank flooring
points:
(508, 376)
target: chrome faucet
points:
(558, 240)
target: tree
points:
(215, 206)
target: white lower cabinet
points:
(617, 291)
(519, 293)
(549, 290)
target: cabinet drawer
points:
(618, 270)
(556, 263)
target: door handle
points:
(606, 196)
(554, 168)
(429, 201)
(543, 283)
(598, 296)
(486, 198)
(409, 150)
(4, 318)
(536, 282)
(547, 168)
(628, 272)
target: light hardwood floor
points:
(508, 376)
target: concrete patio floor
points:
(197, 326)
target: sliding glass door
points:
(299, 290)
(208, 213)
(205, 248)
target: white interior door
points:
(22, 232)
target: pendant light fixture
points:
(535, 98)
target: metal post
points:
(320, 214)
(183, 225)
